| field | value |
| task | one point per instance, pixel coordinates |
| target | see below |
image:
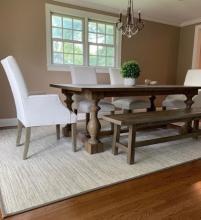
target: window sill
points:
(64, 68)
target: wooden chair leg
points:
(27, 142)
(75, 111)
(74, 137)
(131, 145)
(58, 131)
(126, 111)
(116, 137)
(19, 132)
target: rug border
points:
(4, 215)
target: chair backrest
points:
(17, 84)
(83, 75)
(193, 78)
(115, 76)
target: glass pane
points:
(109, 39)
(57, 33)
(67, 34)
(92, 38)
(101, 51)
(68, 47)
(57, 46)
(68, 23)
(77, 24)
(78, 59)
(77, 35)
(58, 58)
(78, 48)
(101, 61)
(92, 60)
(109, 29)
(101, 38)
(93, 50)
(56, 21)
(92, 27)
(110, 61)
(101, 28)
(110, 51)
(68, 58)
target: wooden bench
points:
(137, 121)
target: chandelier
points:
(130, 26)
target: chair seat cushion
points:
(174, 101)
(84, 106)
(131, 103)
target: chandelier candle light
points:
(131, 25)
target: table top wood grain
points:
(80, 87)
(122, 90)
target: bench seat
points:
(136, 121)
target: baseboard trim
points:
(8, 122)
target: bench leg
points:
(196, 126)
(131, 145)
(87, 121)
(188, 127)
(112, 125)
(116, 137)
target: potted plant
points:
(130, 71)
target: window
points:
(77, 37)
(67, 40)
(101, 41)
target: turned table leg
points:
(69, 101)
(93, 144)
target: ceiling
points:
(174, 12)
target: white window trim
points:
(196, 47)
(86, 15)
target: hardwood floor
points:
(171, 194)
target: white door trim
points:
(195, 48)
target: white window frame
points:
(86, 16)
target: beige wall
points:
(156, 50)
(22, 35)
(185, 55)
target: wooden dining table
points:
(95, 93)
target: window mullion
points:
(86, 44)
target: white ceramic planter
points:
(129, 81)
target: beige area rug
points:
(53, 172)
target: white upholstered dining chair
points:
(35, 110)
(87, 76)
(193, 78)
(127, 103)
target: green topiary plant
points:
(130, 69)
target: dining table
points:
(95, 93)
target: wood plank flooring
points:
(170, 194)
